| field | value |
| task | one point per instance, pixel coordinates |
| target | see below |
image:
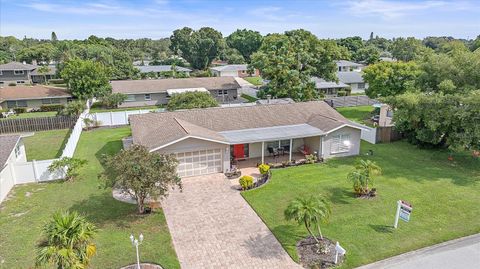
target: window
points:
(18, 72)
(361, 86)
(20, 82)
(21, 103)
(222, 92)
(130, 98)
(50, 101)
(18, 152)
(340, 143)
(148, 97)
(14, 104)
(1, 82)
(11, 104)
(1, 72)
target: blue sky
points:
(158, 18)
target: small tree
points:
(70, 166)
(310, 212)
(44, 70)
(362, 176)
(68, 242)
(113, 100)
(141, 174)
(74, 108)
(191, 100)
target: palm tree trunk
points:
(310, 232)
(319, 231)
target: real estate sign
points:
(404, 210)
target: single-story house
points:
(272, 101)
(353, 79)
(329, 88)
(16, 73)
(233, 70)
(158, 69)
(158, 91)
(32, 97)
(346, 66)
(38, 77)
(207, 140)
(11, 150)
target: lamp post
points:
(136, 243)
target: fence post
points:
(35, 172)
(111, 118)
(126, 117)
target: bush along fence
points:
(36, 124)
(37, 171)
(347, 101)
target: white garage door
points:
(200, 162)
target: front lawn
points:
(44, 145)
(32, 115)
(358, 114)
(445, 197)
(31, 205)
(97, 108)
(257, 81)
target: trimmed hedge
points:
(56, 81)
(20, 110)
(54, 107)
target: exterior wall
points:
(34, 103)
(386, 114)
(7, 180)
(157, 99)
(255, 149)
(41, 78)
(355, 89)
(230, 97)
(8, 76)
(313, 143)
(354, 140)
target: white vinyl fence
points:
(37, 171)
(118, 117)
(369, 134)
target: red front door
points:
(238, 151)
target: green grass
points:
(101, 109)
(32, 115)
(445, 197)
(359, 114)
(46, 145)
(257, 81)
(249, 98)
(23, 215)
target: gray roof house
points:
(354, 79)
(232, 70)
(329, 88)
(21, 73)
(11, 150)
(158, 91)
(345, 66)
(161, 68)
(210, 140)
(32, 97)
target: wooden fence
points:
(36, 124)
(388, 134)
(345, 101)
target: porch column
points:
(263, 152)
(290, 151)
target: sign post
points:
(339, 251)
(404, 210)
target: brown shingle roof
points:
(157, 129)
(20, 92)
(7, 144)
(162, 85)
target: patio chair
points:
(286, 149)
(271, 151)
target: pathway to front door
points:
(212, 226)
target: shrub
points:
(113, 100)
(246, 182)
(20, 110)
(12, 84)
(201, 73)
(56, 81)
(341, 93)
(54, 107)
(263, 168)
(189, 100)
(311, 158)
(70, 166)
(89, 123)
(73, 108)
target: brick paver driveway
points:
(212, 226)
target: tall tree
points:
(54, 38)
(245, 41)
(368, 54)
(86, 79)
(141, 173)
(68, 242)
(407, 49)
(390, 78)
(199, 48)
(353, 44)
(289, 61)
(189, 100)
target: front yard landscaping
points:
(444, 195)
(358, 114)
(46, 145)
(31, 206)
(32, 115)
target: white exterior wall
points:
(7, 179)
(354, 142)
(354, 88)
(313, 143)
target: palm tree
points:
(362, 176)
(44, 70)
(68, 243)
(309, 211)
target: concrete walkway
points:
(462, 253)
(212, 226)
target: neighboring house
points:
(353, 79)
(159, 69)
(205, 141)
(159, 91)
(347, 66)
(32, 97)
(329, 88)
(141, 63)
(38, 77)
(270, 101)
(386, 116)
(233, 70)
(15, 73)
(21, 73)
(12, 150)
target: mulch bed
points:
(310, 257)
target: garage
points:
(201, 162)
